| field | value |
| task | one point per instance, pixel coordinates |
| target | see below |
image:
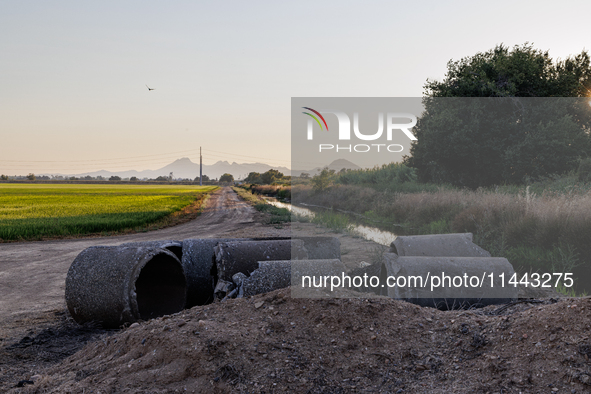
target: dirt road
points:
(32, 274)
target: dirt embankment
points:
(276, 343)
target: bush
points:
(229, 178)
(324, 180)
(584, 172)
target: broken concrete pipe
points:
(175, 247)
(116, 285)
(438, 245)
(243, 256)
(322, 248)
(198, 262)
(274, 275)
(448, 282)
(369, 271)
(317, 248)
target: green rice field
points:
(37, 211)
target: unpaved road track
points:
(32, 274)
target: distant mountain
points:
(336, 165)
(185, 168)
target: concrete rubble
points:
(274, 275)
(198, 261)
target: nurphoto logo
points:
(344, 130)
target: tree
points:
(519, 72)
(229, 178)
(509, 136)
(133, 179)
(31, 176)
(115, 178)
(205, 178)
(271, 177)
(324, 180)
(254, 178)
(3, 177)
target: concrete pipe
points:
(271, 275)
(116, 285)
(318, 248)
(175, 247)
(369, 271)
(322, 248)
(274, 275)
(442, 245)
(243, 256)
(198, 262)
(448, 282)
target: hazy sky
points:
(73, 74)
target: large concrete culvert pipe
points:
(198, 259)
(175, 247)
(117, 285)
(322, 248)
(448, 282)
(244, 256)
(438, 245)
(199, 264)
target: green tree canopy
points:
(266, 178)
(227, 178)
(323, 180)
(253, 178)
(522, 71)
(512, 134)
(271, 176)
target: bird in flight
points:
(149, 88)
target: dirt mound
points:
(51, 338)
(275, 343)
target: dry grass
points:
(280, 191)
(546, 232)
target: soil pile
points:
(274, 343)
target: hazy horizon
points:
(73, 76)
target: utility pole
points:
(200, 168)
